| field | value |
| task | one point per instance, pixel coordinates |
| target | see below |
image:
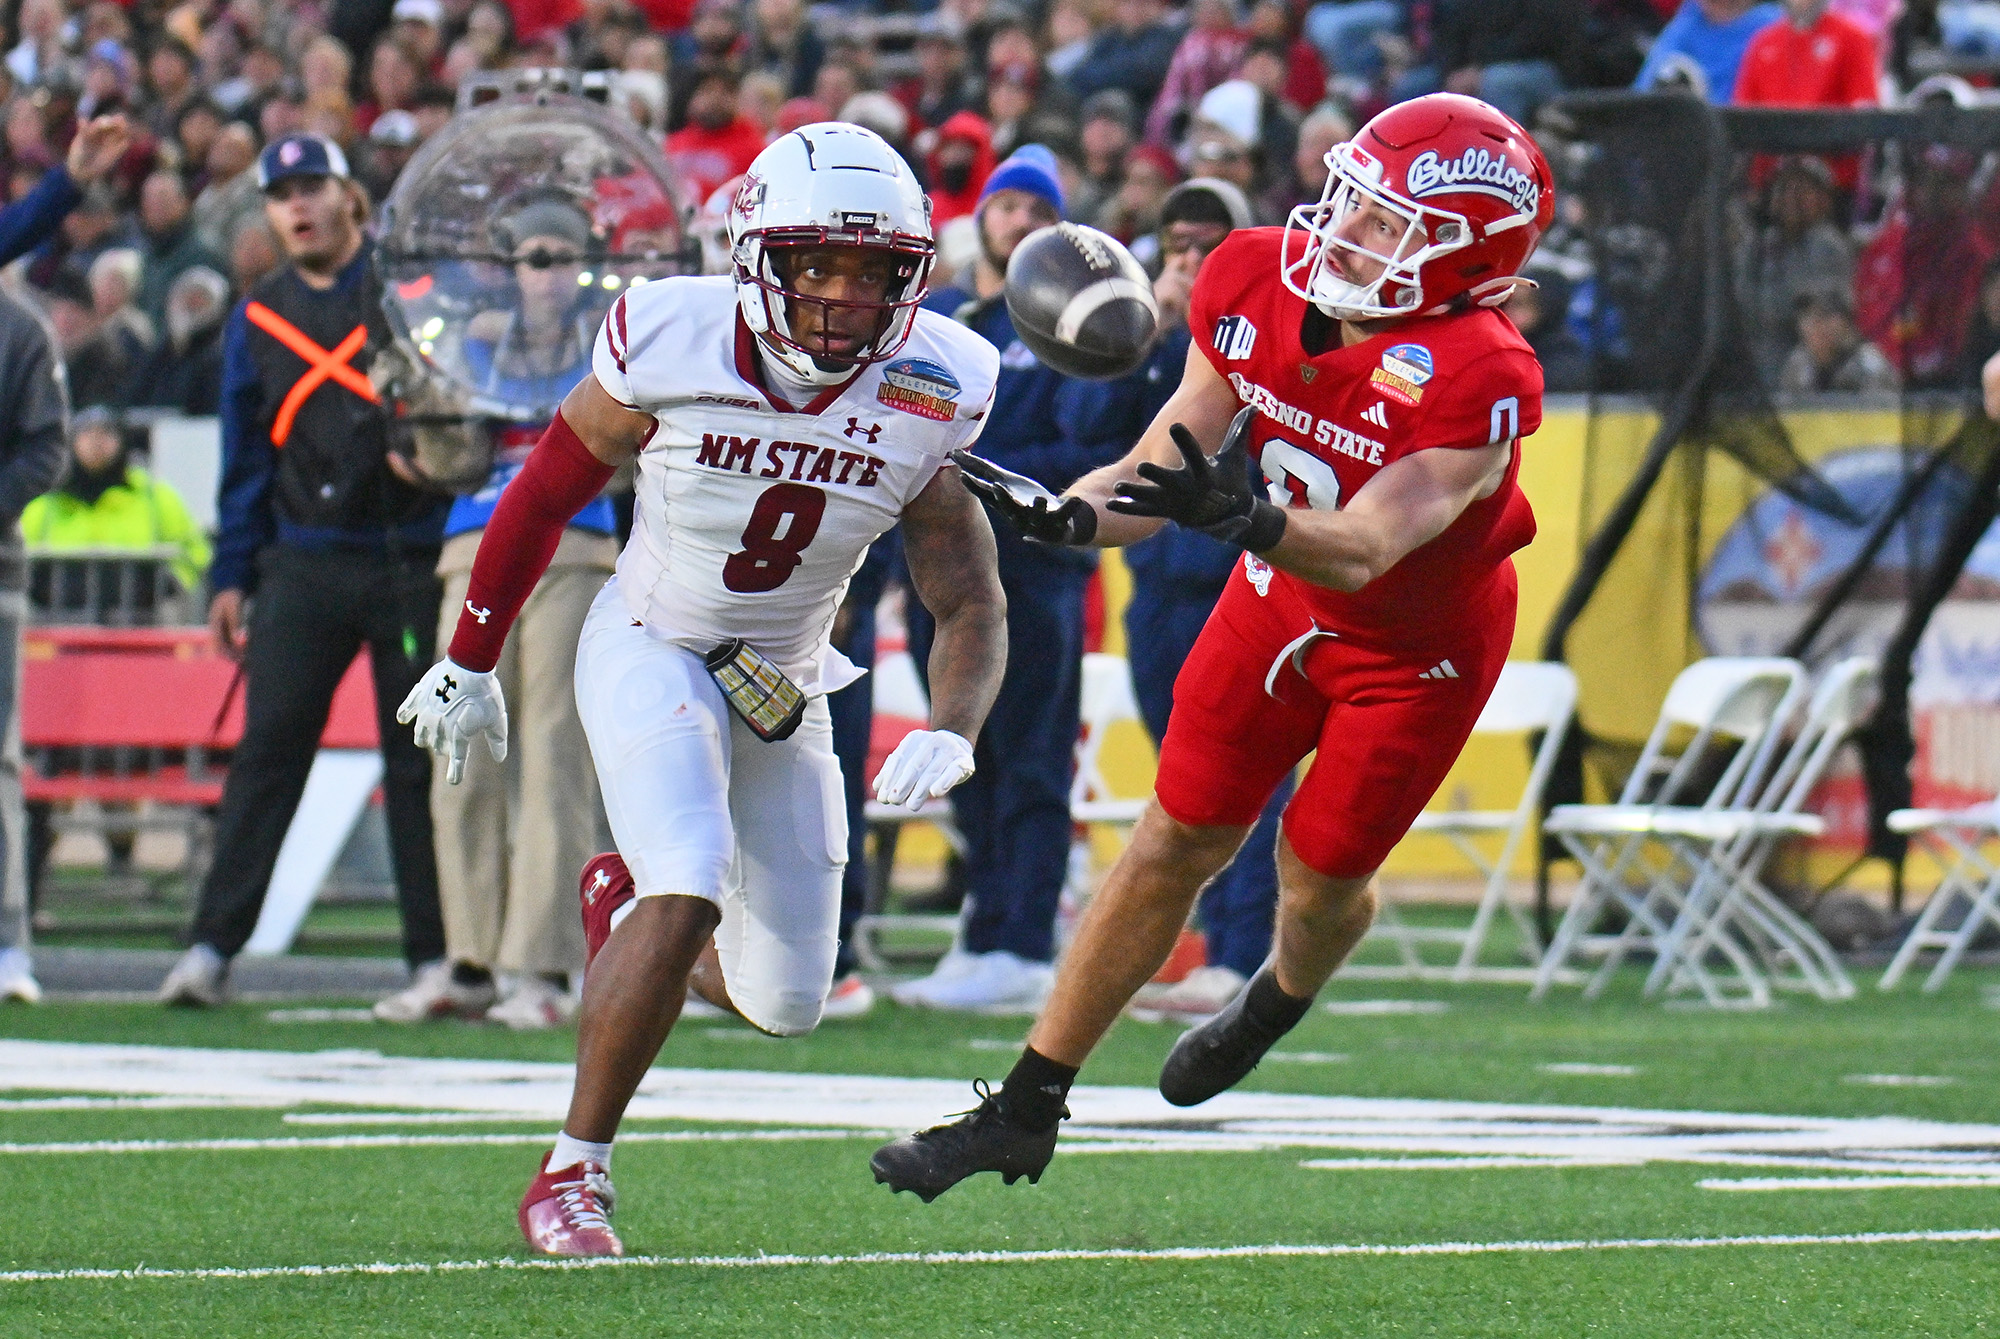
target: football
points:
(1081, 302)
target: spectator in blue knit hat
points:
(1014, 814)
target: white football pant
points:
(702, 807)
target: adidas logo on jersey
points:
(1442, 670)
(1377, 413)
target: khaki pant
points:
(512, 836)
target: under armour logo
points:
(447, 688)
(477, 612)
(872, 431)
(598, 883)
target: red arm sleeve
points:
(560, 476)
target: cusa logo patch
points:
(1235, 336)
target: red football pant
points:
(1385, 734)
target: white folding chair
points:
(897, 691)
(1106, 700)
(1530, 696)
(1734, 707)
(1970, 876)
(1725, 852)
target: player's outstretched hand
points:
(452, 706)
(924, 766)
(1028, 507)
(1213, 495)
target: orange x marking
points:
(322, 365)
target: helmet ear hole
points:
(1449, 233)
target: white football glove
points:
(924, 766)
(452, 706)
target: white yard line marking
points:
(407, 1118)
(1369, 1007)
(1580, 1067)
(1176, 1254)
(427, 1141)
(1901, 1080)
(319, 1016)
(1305, 1058)
(1455, 1164)
(1107, 1119)
(133, 1104)
(1851, 1183)
(993, 1044)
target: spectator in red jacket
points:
(959, 163)
(1809, 58)
(718, 142)
(1917, 283)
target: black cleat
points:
(1217, 1055)
(932, 1161)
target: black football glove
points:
(1026, 505)
(1213, 495)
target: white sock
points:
(569, 1152)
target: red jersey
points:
(1829, 64)
(1326, 425)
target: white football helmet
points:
(829, 184)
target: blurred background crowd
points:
(1131, 96)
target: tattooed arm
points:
(949, 545)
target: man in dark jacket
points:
(1014, 812)
(1177, 576)
(338, 547)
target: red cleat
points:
(606, 886)
(567, 1212)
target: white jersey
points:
(751, 516)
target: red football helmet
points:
(1446, 194)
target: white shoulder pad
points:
(643, 350)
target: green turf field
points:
(1657, 1213)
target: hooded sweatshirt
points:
(950, 200)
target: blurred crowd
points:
(1131, 96)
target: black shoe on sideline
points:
(1217, 1055)
(932, 1161)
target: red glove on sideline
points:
(559, 478)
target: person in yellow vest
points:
(104, 501)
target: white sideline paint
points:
(1371, 1008)
(538, 1138)
(1583, 1068)
(1902, 1080)
(1107, 1120)
(1173, 1253)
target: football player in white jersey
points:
(783, 419)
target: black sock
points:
(468, 974)
(1270, 1007)
(1033, 1095)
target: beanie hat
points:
(1030, 168)
(1206, 200)
(547, 216)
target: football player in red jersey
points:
(1354, 359)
